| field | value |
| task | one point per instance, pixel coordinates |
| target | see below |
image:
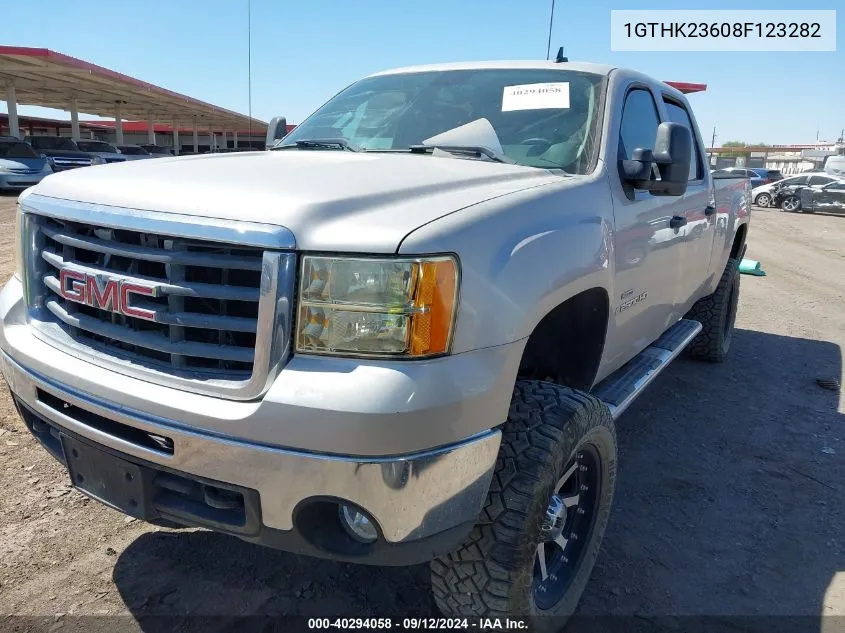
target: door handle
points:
(708, 211)
(677, 221)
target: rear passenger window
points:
(639, 123)
(819, 180)
(678, 114)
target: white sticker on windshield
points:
(536, 96)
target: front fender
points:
(522, 255)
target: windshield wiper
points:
(477, 150)
(322, 143)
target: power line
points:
(551, 21)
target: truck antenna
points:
(249, 67)
(551, 21)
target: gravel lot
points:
(728, 503)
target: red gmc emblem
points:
(98, 291)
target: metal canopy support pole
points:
(118, 124)
(223, 144)
(235, 139)
(196, 138)
(175, 136)
(12, 103)
(151, 131)
(212, 145)
(74, 119)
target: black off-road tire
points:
(717, 315)
(492, 573)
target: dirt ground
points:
(728, 500)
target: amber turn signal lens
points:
(435, 296)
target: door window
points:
(639, 123)
(819, 180)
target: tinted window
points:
(156, 149)
(52, 142)
(132, 151)
(16, 150)
(639, 123)
(820, 180)
(838, 187)
(95, 146)
(677, 114)
(774, 175)
(395, 111)
(798, 180)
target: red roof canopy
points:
(42, 77)
(686, 87)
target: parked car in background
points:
(757, 175)
(768, 175)
(762, 195)
(829, 198)
(157, 151)
(834, 165)
(134, 152)
(20, 165)
(62, 153)
(106, 151)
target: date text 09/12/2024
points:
(414, 624)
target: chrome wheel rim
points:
(567, 528)
(763, 200)
(790, 204)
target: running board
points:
(623, 386)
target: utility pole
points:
(713, 140)
(551, 21)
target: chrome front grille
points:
(214, 316)
(68, 162)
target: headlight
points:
(376, 307)
(97, 160)
(18, 239)
(3, 170)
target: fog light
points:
(357, 524)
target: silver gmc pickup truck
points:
(403, 334)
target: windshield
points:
(542, 118)
(16, 150)
(52, 142)
(96, 146)
(133, 151)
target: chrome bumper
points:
(410, 497)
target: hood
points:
(331, 200)
(23, 164)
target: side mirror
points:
(671, 157)
(276, 131)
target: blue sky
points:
(304, 52)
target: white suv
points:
(762, 195)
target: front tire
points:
(717, 315)
(791, 204)
(763, 200)
(536, 541)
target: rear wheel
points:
(717, 315)
(763, 200)
(537, 539)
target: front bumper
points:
(423, 501)
(19, 181)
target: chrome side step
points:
(622, 387)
